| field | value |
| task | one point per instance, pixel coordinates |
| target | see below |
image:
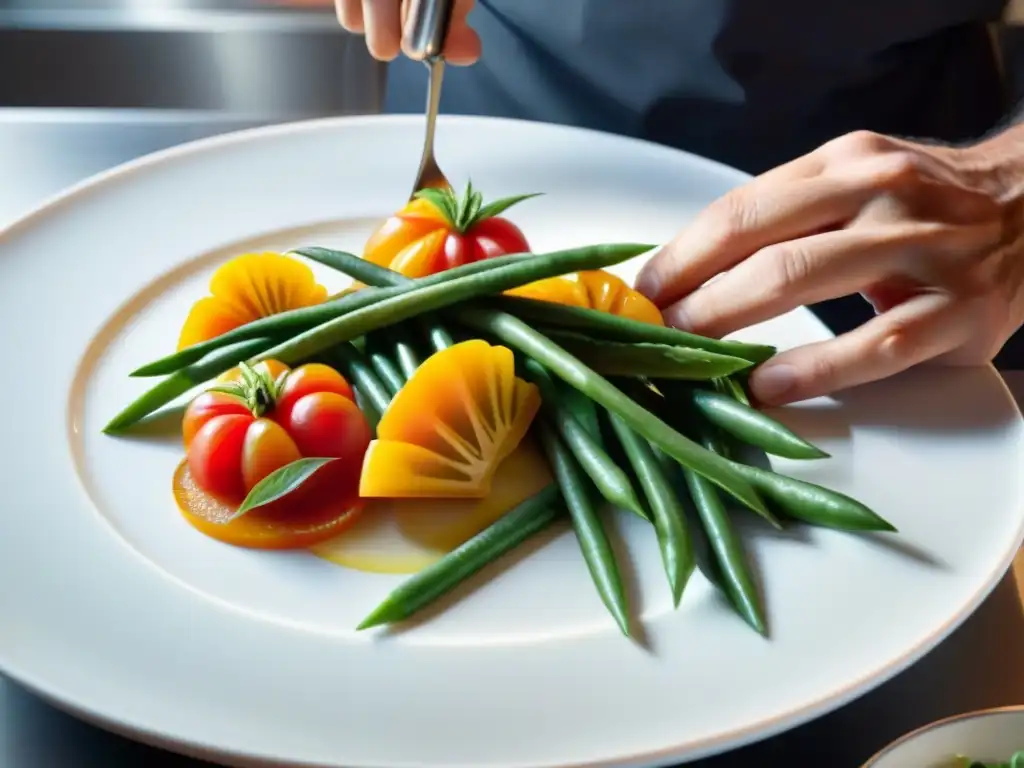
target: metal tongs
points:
(426, 28)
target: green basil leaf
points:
(280, 483)
(442, 199)
(232, 389)
(500, 206)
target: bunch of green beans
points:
(676, 410)
(811, 503)
(609, 480)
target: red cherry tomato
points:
(327, 424)
(305, 380)
(233, 440)
(207, 406)
(457, 251)
(439, 231)
(497, 237)
(215, 455)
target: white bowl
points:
(991, 735)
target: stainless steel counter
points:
(216, 55)
(980, 665)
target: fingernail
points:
(676, 316)
(772, 383)
(650, 280)
(648, 283)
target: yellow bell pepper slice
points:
(247, 288)
(596, 289)
(459, 415)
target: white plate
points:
(992, 735)
(119, 611)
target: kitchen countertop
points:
(981, 665)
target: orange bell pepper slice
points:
(460, 414)
(596, 289)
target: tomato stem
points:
(465, 211)
(256, 389)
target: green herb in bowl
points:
(1016, 761)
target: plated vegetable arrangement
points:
(455, 349)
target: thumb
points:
(917, 330)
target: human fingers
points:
(763, 213)
(922, 328)
(824, 266)
(350, 15)
(382, 21)
(462, 45)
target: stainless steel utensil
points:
(426, 28)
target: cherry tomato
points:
(496, 237)
(266, 449)
(305, 380)
(207, 406)
(328, 424)
(457, 251)
(439, 231)
(267, 417)
(420, 257)
(215, 454)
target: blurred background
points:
(261, 59)
(244, 57)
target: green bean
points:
(357, 369)
(405, 351)
(605, 325)
(707, 561)
(801, 500)
(438, 579)
(668, 514)
(705, 558)
(373, 274)
(727, 548)
(279, 326)
(614, 358)
(419, 300)
(583, 408)
(370, 413)
(744, 423)
(812, 503)
(439, 337)
(298, 320)
(606, 476)
(594, 545)
(735, 387)
(687, 421)
(367, 272)
(182, 381)
(516, 333)
(378, 354)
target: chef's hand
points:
(381, 22)
(930, 236)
